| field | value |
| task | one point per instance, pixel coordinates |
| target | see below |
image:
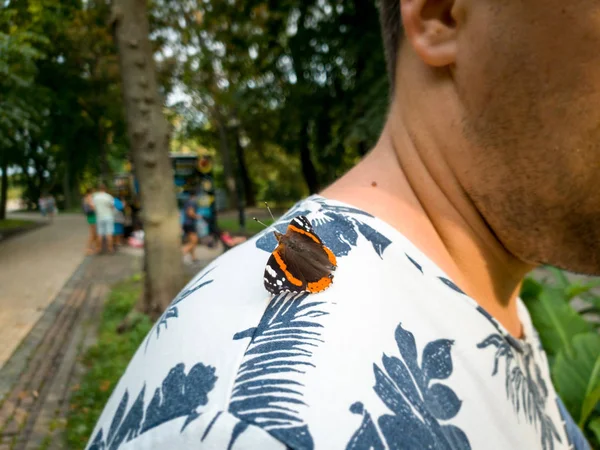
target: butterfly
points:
(301, 262)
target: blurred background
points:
(228, 103)
(285, 95)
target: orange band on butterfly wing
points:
(320, 285)
(283, 266)
(331, 256)
(306, 233)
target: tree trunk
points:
(148, 136)
(230, 180)
(3, 188)
(308, 168)
(243, 170)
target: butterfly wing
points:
(302, 225)
(305, 265)
(278, 278)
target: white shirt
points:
(392, 356)
(104, 205)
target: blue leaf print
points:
(514, 343)
(173, 311)
(437, 361)
(266, 391)
(524, 384)
(575, 437)
(451, 285)
(417, 404)
(366, 433)
(416, 264)
(337, 226)
(180, 395)
(442, 402)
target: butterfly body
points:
(301, 262)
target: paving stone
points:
(38, 399)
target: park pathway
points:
(34, 266)
(37, 381)
(51, 300)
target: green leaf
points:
(591, 298)
(556, 321)
(594, 426)
(592, 399)
(577, 376)
(561, 279)
(530, 289)
(577, 289)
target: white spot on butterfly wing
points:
(306, 224)
(297, 222)
(271, 271)
(279, 283)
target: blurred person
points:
(51, 207)
(119, 221)
(105, 217)
(42, 205)
(128, 213)
(90, 214)
(384, 312)
(189, 227)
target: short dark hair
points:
(391, 29)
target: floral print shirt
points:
(392, 356)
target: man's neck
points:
(420, 194)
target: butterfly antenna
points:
(264, 225)
(269, 209)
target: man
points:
(189, 227)
(105, 217)
(486, 168)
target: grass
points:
(11, 224)
(233, 225)
(105, 362)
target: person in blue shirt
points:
(189, 227)
(119, 220)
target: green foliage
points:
(594, 427)
(556, 321)
(61, 117)
(300, 82)
(572, 344)
(288, 94)
(105, 361)
(232, 225)
(11, 224)
(577, 375)
(18, 56)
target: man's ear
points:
(430, 28)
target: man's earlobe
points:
(430, 28)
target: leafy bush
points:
(570, 336)
(106, 361)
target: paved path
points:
(37, 382)
(33, 268)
